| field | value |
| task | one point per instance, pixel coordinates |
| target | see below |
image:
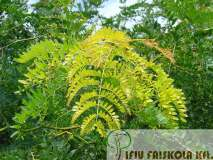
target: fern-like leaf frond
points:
(108, 81)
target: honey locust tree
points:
(79, 91)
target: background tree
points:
(13, 28)
(186, 28)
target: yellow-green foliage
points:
(110, 85)
(43, 57)
(40, 50)
(108, 82)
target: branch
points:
(51, 127)
(19, 40)
(63, 128)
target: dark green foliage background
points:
(188, 31)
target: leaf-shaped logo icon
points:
(118, 140)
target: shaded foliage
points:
(184, 28)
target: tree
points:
(107, 85)
(178, 25)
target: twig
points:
(63, 128)
(82, 139)
(32, 129)
(19, 40)
(51, 127)
(62, 133)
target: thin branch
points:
(19, 40)
(62, 133)
(63, 128)
(81, 139)
(32, 129)
(51, 127)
